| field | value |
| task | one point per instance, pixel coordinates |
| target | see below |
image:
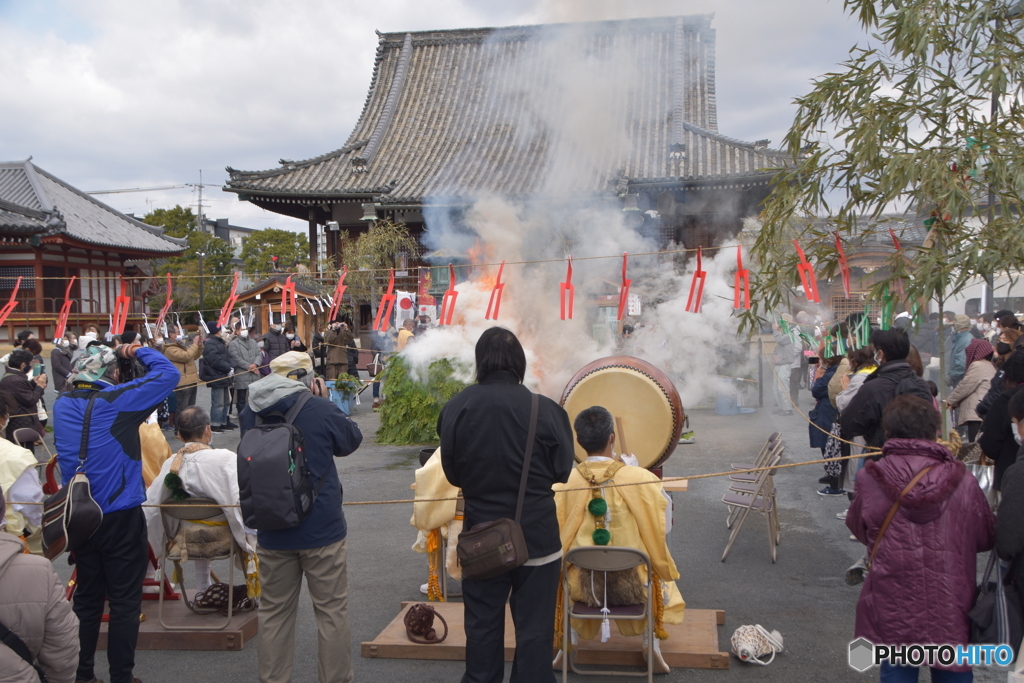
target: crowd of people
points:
(876, 400)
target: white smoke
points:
(579, 118)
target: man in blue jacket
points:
(316, 547)
(111, 564)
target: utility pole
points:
(200, 254)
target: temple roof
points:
(527, 111)
(34, 201)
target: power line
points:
(139, 189)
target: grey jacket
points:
(32, 604)
(243, 353)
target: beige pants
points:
(281, 574)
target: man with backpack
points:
(289, 441)
(894, 377)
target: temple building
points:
(51, 232)
(458, 114)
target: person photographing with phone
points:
(99, 420)
(24, 386)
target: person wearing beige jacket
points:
(184, 356)
(33, 606)
(972, 388)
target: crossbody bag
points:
(11, 640)
(490, 549)
(892, 512)
(71, 516)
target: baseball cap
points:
(289, 362)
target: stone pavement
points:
(803, 595)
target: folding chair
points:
(747, 483)
(199, 510)
(776, 450)
(761, 500)
(762, 454)
(606, 558)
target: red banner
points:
(741, 285)
(566, 291)
(624, 290)
(697, 285)
(494, 304)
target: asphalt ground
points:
(803, 595)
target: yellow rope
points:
(559, 617)
(659, 607)
(434, 592)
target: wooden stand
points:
(691, 644)
(152, 636)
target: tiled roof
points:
(58, 208)
(470, 111)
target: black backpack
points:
(915, 386)
(275, 487)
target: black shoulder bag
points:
(71, 516)
(491, 549)
(11, 640)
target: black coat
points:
(863, 415)
(60, 366)
(483, 438)
(996, 438)
(275, 343)
(1009, 530)
(217, 363)
(22, 398)
(995, 387)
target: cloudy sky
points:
(111, 94)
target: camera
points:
(813, 360)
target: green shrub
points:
(409, 415)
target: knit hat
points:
(213, 328)
(961, 322)
(289, 362)
(93, 363)
(978, 349)
(129, 337)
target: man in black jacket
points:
(863, 416)
(23, 394)
(217, 369)
(997, 433)
(483, 440)
(1009, 530)
(275, 343)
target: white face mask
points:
(260, 343)
(244, 333)
(277, 328)
(879, 359)
(289, 336)
(1014, 426)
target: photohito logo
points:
(864, 655)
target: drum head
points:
(637, 392)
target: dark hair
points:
(949, 315)
(19, 358)
(23, 335)
(987, 317)
(1013, 367)
(1009, 322)
(910, 417)
(895, 344)
(593, 427)
(932, 387)
(860, 357)
(1003, 311)
(498, 349)
(933, 316)
(915, 362)
(289, 326)
(33, 346)
(192, 422)
(831, 361)
(1016, 407)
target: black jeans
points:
(186, 397)
(111, 565)
(241, 398)
(534, 590)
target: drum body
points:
(639, 394)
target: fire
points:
(483, 278)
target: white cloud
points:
(119, 94)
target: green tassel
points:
(597, 507)
(602, 536)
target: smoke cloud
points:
(574, 122)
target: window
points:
(9, 276)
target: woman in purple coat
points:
(922, 582)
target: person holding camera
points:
(338, 339)
(112, 563)
(24, 394)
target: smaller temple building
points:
(51, 232)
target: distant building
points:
(50, 232)
(235, 235)
(444, 123)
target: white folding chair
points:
(762, 500)
(196, 510)
(605, 558)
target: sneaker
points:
(823, 480)
(854, 538)
(842, 515)
(829, 491)
(216, 429)
(230, 425)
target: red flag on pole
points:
(11, 303)
(566, 291)
(807, 276)
(844, 267)
(167, 305)
(65, 309)
(697, 285)
(339, 291)
(225, 311)
(287, 298)
(448, 301)
(742, 284)
(387, 305)
(624, 290)
(494, 304)
(899, 248)
(121, 305)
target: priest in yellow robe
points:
(633, 516)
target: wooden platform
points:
(152, 636)
(691, 644)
